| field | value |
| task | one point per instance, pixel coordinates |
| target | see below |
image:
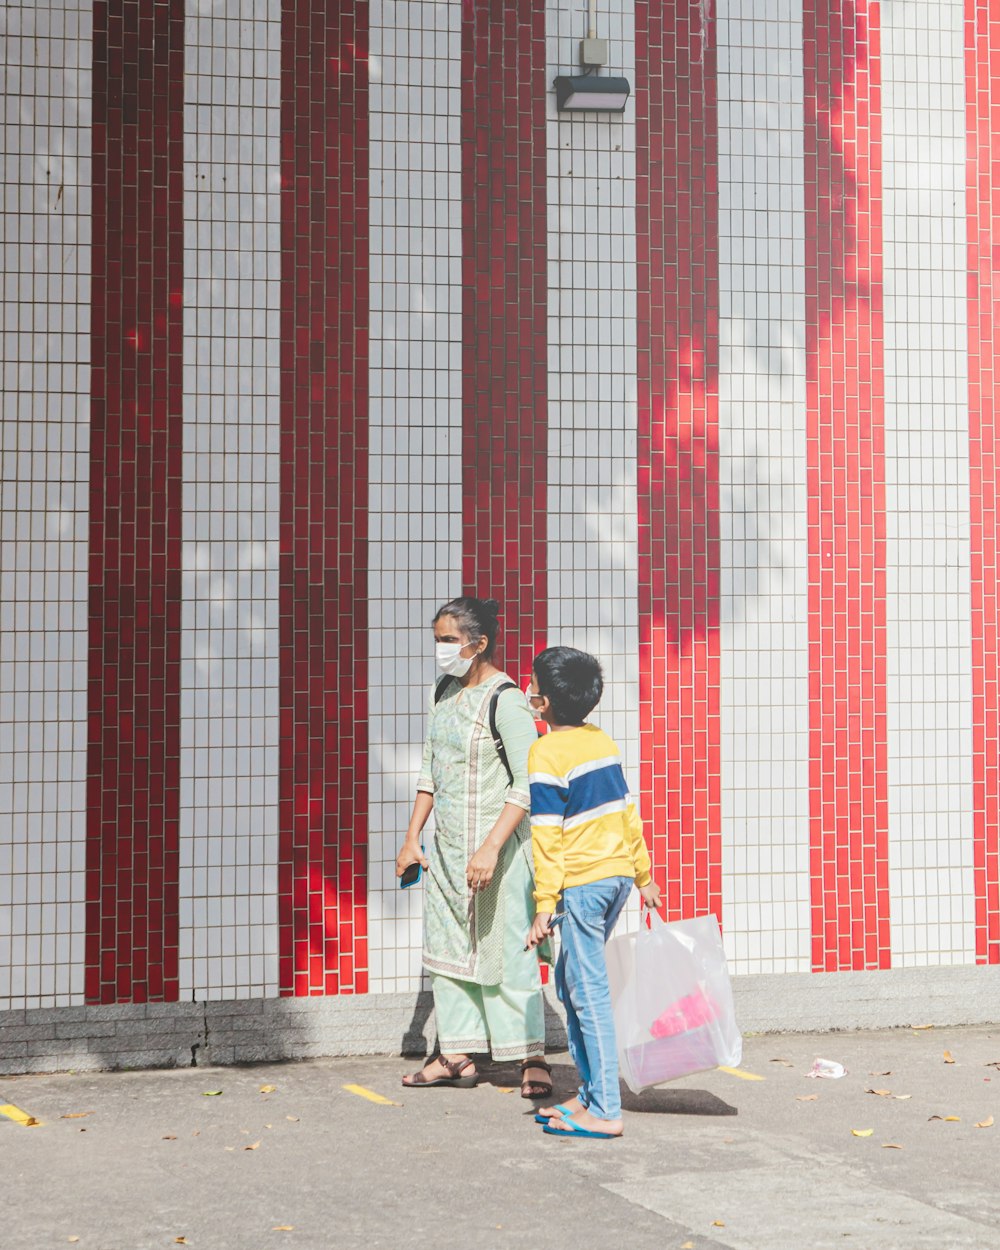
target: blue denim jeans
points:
(582, 985)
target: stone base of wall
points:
(170, 1035)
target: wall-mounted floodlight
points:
(586, 93)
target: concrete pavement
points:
(139, 1160)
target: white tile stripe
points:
(44, 506)
(415, 516)
(229, 646)
(592, 497)
(765, 699)
(927, 484)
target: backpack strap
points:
(440, 688)
(495, 733)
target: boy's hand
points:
(539, 931)
(650, 895)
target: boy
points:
(588, 846)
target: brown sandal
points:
(535, 1089)
(454, 1068)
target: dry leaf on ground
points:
(947, 1057)
(806, 1097)
(889, 1073)
(882, 1093)
(923, 1026)
(891, 1145)
(181, 1241)
(282, 1228)
(75, 1115)
(902, 1097)
(293, 1118)
(943, 1117)
(211, 1093)
(718, 1224)
(687, 1245)
(252, 1146)
(168, 1137)
(862, 1132)
(268, 1089)
(987, 1123)
(72, 1238)
(785, 1063)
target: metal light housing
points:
(586, 93)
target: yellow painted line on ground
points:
(371, 1095)
(744, 1076)
(18, 1116)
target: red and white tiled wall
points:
(317, 313)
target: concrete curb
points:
(170, 1035)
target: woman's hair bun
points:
(491, 606)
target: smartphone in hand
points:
(411, 875)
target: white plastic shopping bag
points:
(672, 1001)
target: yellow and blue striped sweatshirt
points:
(584, 823)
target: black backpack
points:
(442, 686)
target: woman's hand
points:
(481, 867)
(650, 896)
(410, 854)
(539, 931)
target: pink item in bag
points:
(689, 1012)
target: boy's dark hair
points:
(474, 617)
(572, 682)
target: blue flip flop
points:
(575, 1131)
(564, 1113)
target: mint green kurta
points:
(478, 937)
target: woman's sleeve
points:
(516, 727)
(425, 781)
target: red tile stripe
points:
(982, 72)
(133, 699)
(505, 318)
(846, 487)
(678, 468)
(323, 799)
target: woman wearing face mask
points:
(478, 901)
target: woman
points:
(478, 901)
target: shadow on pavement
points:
(676, 1102)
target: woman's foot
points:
(455, 1070)
(536, 1078)
(583, 1119)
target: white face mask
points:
(528, 696)
(450, 659)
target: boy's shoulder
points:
(557, 753)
